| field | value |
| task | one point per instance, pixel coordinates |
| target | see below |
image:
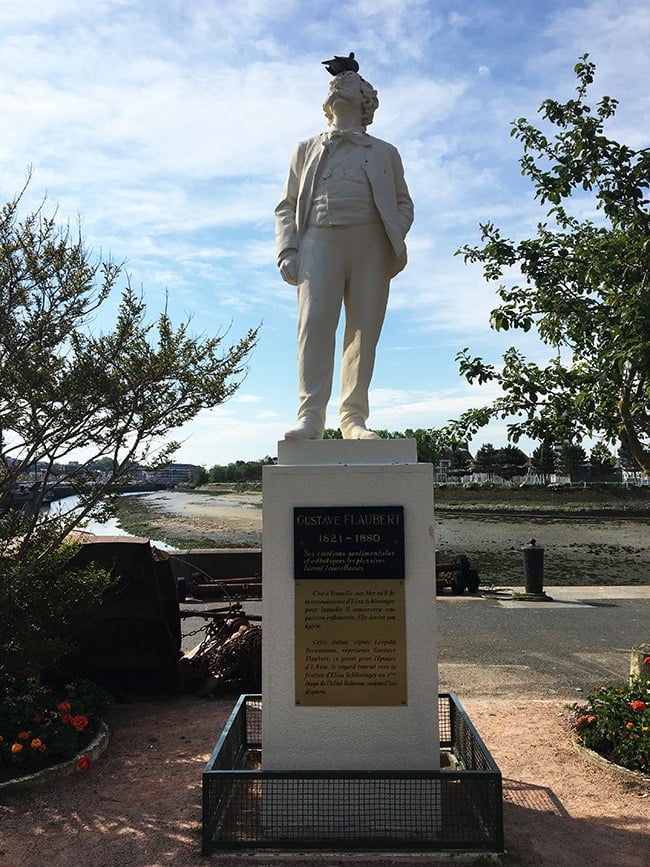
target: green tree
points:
(486, 460)
(429, 443)
(543, 461)
(571, 460)
(586, 286)
(66, 392)
(601, 457)
(113, 397)
(602, 464)
(459, 464)
(239, 471)
(510, 462)
(44, 599)
(200, 477)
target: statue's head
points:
(369, 100)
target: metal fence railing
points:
(452, 810)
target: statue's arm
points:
(286, 229)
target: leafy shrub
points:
(44, 598)
(615, 723)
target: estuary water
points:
(111, 527)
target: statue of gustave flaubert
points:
(340, 230)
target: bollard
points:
(534, 568)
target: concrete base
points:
(360, 809)
(531, 597)
(348, 473)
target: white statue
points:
(340, 229)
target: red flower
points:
(64, 705)
(38, 718)
(638, 705)
(646, 661)
(79, 722)
(84, 763)
(66, 718)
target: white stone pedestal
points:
(334, 475)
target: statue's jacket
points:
(385, 174)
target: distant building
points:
(174, 474)
(454, 466)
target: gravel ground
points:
(513, 669)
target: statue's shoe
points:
(304, 430)
(359, 432)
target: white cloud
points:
(168, 128)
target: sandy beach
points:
(192, 520)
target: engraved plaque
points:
(349, 542)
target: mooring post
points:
(533, 568)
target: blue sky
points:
(166, 127)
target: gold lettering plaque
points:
(350, 643)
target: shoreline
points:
(195, 520)
(580, 549)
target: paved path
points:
(492, 645)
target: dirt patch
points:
(187, 520)
(141, 803)
(578, 549)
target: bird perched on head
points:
(341, 64)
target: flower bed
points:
(42, 727)
(79, 763)
(614, 722)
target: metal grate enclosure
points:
(455, 810)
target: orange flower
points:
(629, 725)
(581, 719)
(36, 744)
(23, 736)
(42, 748)
(591, 718)
(16, 748)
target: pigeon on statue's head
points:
(341, 64)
